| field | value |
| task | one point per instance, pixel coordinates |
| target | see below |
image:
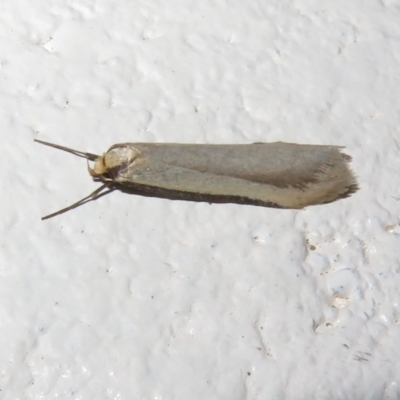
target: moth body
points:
(281, 175)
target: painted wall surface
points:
(141, 298)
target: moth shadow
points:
(150, 191)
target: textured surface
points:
(140, 298)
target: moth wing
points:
(288, 176)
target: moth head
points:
(116, 160)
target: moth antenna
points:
(88, 156)
(92, 196)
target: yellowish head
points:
(114, 162)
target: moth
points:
(279, 175)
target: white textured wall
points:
(140, 298)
